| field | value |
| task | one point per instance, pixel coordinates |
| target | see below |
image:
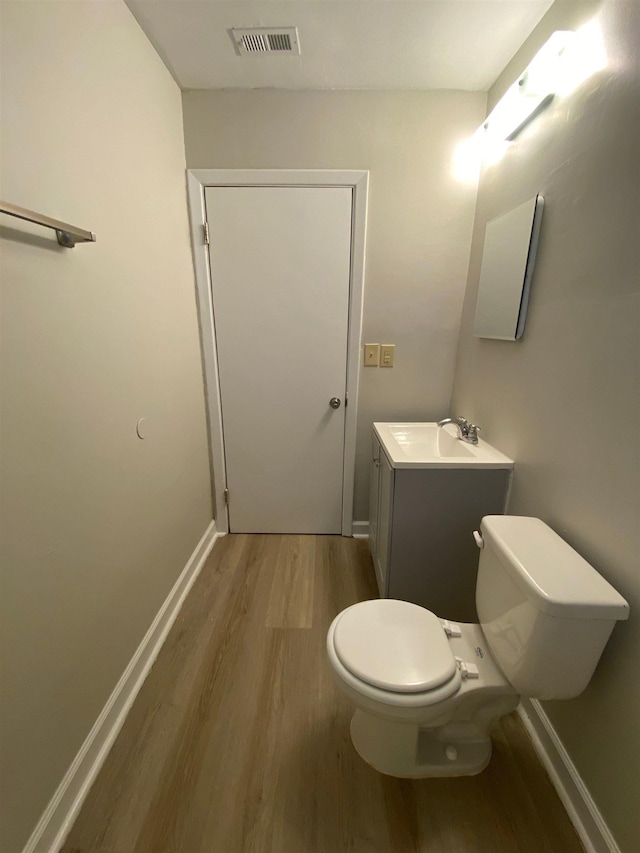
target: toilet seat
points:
(394, 646)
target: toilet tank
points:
(545, 612)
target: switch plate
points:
(371, 353)
(387, 354)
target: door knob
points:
(334, 402)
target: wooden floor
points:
(239, 743)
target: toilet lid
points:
(394, 645)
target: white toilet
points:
(427, 691)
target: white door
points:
(280, 264)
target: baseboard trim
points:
(57, 819)
(360, 529)
(581, 808)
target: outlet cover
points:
(387, 355)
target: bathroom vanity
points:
(429, 492)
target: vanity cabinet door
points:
(380, 510)
(374, 497)
(385, 520)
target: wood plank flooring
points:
(239, 743)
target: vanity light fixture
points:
(531, 92)
(564, 61)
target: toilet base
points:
(407, 751)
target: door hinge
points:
(346, 399)
(226, 496)
(205, 229)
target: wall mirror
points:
(508, 258)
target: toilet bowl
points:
(428, 691)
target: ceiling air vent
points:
(266, 40)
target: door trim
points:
(197, 180)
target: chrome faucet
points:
(461, 424)
(466, 431)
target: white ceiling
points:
(345, 44)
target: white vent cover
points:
(277, 40)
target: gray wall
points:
(97, 525)
(563, 401)
(419, 223)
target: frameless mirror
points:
(508, 258)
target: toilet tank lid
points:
(548, 569)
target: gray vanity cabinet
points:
(421, 523)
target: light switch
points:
(371, 352)
(386, 355)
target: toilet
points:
(427, 691)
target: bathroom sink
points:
(426, 445)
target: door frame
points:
(197, 180)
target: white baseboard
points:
(360, 529)
(581, 808)
(57, 819)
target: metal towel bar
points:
(68, 235)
